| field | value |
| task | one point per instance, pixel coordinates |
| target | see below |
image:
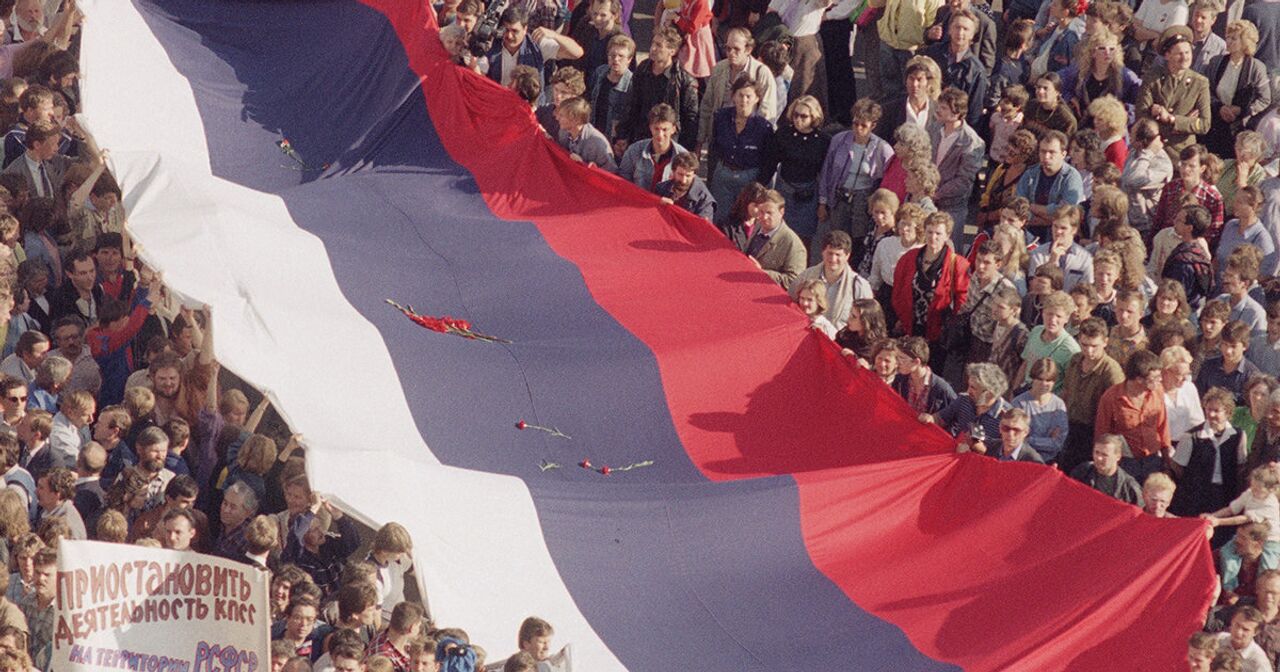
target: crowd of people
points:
(1052, 227)
(117, 424)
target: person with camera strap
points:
(519, 46)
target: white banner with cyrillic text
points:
(124, 607)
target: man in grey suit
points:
(774, 248)
(959, 153)
(41, 165)
(1015, 426)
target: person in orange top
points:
(1135, 410)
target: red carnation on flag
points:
(522, 425)
(607, 470)
(446, 325)
(287, 147)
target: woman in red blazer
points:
(929, 280)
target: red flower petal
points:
(521, 425)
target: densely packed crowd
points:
(116, 423)
(1053, 228)
(1067, 211)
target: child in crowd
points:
(11, 253)
(1013, 255)
(1239, 277)
(535, 638)
(884, 360)
(1258, 504)
(1015, 213)
(925, 391)
(1046, 410)
(1085, 154)
(1050, 339)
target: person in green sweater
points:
(1257, 390)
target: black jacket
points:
(62, 302)
(1194, 495)
(966, 74)
(674, 87)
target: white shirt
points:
(390, 585)
(1183, 410)
(1156, 16)
(803, 17)
(1257, 510)
(885, 261)
(508, 61)
(947, 141)
(1255, 659)
(921, 119)
(1182, 455)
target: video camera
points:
(481, 40)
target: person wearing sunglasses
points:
(13, 401)
(1015, 426)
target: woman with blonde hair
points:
(910, 141)
(13, 521)
(1014, 256)
(922, 180)
(1099, 71)
(794, 155)
(1243, 170)
(1240, 90)
(1110, 118)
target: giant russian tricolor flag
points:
(796, 516)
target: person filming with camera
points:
(520, 46)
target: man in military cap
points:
(1176, 96)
